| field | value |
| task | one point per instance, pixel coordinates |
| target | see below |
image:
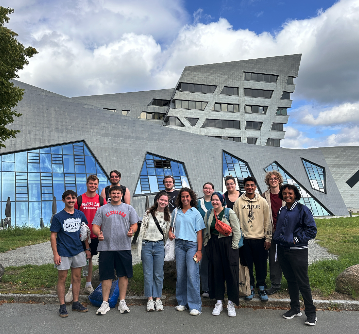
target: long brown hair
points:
(192, 195)
(152, 210)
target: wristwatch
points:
(88, 249)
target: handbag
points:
(170, 244)
(221, 227)
(244, 281)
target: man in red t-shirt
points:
(273, 180)
(88, 203)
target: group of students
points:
(205, 254)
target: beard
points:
(114, 183)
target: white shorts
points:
(76, 261)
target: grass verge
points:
(16, 237)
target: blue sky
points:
(91, 47)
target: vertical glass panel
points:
(69, 164)
(224, 107)
(8, 186)
(204, 104)
(45, 163)
(316, 175)
(56, 149)
(80, 169)
(90, 165)
(307, 199)
(59, 185)
(198, 105)
(67, 149)
(22, 213)
(185, 104)
(192, 105)
(46, 211)
(21, 162)
(217, 107)
(34, 187)
(81, 183)
(45, 150)
(34, 214)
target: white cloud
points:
(296, 139)
(346, 137)
(328, 116)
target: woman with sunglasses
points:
(223, 255)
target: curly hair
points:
(152, 210)
(191, 193)
(276, 174)
(290, 187)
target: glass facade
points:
(31, 179)
(153, 171)
(315, 207)
(237, 168)
(316, 175)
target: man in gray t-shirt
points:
(115, 224)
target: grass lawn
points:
(13, 238)
(339, 235)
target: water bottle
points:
(85, 269)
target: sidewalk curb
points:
(339, 305)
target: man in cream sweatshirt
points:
(254, 216)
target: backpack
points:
(79, 201)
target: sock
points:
(88, 284)
(70, 286)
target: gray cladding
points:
(134, 102)
(232, 74)
(120, 142)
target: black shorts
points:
(93, 246)
(110, 260)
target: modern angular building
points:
(63, 140)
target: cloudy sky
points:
(108, 46)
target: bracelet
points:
(88, 249)
(199, 250)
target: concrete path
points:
(38, 318)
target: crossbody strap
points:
(157, 224)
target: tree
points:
(13, 57)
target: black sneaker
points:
(311, 320)
(63, 312)
(77, 306)
(291, 314)
(272, 291)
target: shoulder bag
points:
(170, 244)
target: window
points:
(221, 124)
(181, 104)
(265, 94)
(255, 109)
(260, 77)
(253, 125)
(277, 126)
(273, 142)
(230, 90)
(306, 199)
(196, 88)
(192, 121)
(285, 96)
(110, 109)
(252, 140)
(160, 103)
(153, 171)
(32, 178)
(290, 80)
(125, 112)
(316, 175)
(237, 168)
(172, 120)
(152, 115)
(236, 139)
(281, 112)
(353, 180)
(226, 107)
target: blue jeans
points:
(188, 282)
(152, 256)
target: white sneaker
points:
(231, 309)
(194, 312)
(159, 306)
(122, 307)
(69, 297)
(218, 308)
(180, 308)
(89, 289)
(150, 305)
(104, 308)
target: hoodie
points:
(254, 217)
